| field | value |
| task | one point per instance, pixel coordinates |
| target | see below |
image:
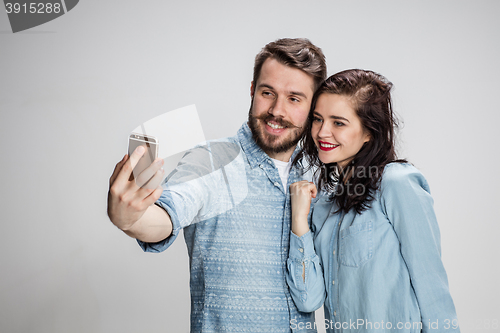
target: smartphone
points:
(150, 143)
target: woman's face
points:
(337, 130)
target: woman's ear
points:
(367, 137)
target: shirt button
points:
(301, 250)
(334, 313)
(261, 166)
(276, 184)
(333, 252)
(333, 282)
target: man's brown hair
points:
(298, 53)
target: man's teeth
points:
(327, 145)
(275, 126)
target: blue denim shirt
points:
(229, 198)
(378, 271)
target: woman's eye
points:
(338, 123)
(316, 119)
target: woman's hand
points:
(301, 194)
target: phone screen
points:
(151, 145)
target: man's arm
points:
(131, 207)
(154, 226)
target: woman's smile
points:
(326, 146)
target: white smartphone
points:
(150, 143)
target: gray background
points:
(72, 89)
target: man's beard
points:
(271, 143)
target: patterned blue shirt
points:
(230, 200)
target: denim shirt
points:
(378, 271)
(229, 198)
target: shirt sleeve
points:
(409, 206)
(207, 182)
(160, 246)
(309, 292)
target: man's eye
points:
(267, 93)
(295, 100)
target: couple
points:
(259, 260)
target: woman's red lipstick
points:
(330, 146)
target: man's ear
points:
(252, 89)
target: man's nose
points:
(278, 109)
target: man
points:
(230, 197)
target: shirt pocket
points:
(356, 244)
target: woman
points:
(372, 247)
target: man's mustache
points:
(280, 121)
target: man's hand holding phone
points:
(129, 197)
